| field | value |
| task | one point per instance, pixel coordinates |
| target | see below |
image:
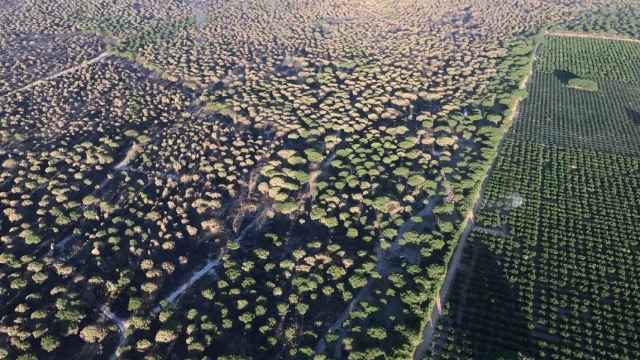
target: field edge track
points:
(58, 74)
(468, 225)
(601, 36)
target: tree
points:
(336, 272)
(12, 214)
(49, 343)
(9, 164)
(165, 336)
(93, 334)
(149, 287)
(494, 118)
(302, 308)
(286, 207)
(357, 281)
(143, 344)
(377, 333)
(208, 294)
(241, 304)
(30, 238)
(134, 304)
(445, 141)
(246, 318)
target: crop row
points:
(229, 185)
(556, 115)
(600, 59)
(551, 266)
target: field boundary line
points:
(467, 226)
(583, 35)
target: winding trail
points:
(53, 245)
(132, 153)
(382, 265)
(173, 297)
(318, 174)
(337, 325)
(122, 324)
(62, 73)
(208, 268)
(426, 211)
(253, 224)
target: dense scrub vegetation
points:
(612, 18)
(250, 179)
(551, 270)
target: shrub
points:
(583, 84)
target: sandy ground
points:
(591, 36)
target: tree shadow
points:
(485, 311)
(564, 76)
(634, 115)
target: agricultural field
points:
(551, 267)
(189, 179)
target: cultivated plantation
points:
(279, 179)
(552, 265)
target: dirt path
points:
(337, 325)
(62, 73)
(436, 312)
(254, 223)
(591, 36)
(382, 265)
(173, 297)
(209, 267)
(122, 325)
(469, 224)
(132, 153)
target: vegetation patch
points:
(583, 84)
(289, 179)
(553, 189)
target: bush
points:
(583, 84)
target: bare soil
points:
(591, 36)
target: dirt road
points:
(591, 36)
(455, 262)
(62, 73)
